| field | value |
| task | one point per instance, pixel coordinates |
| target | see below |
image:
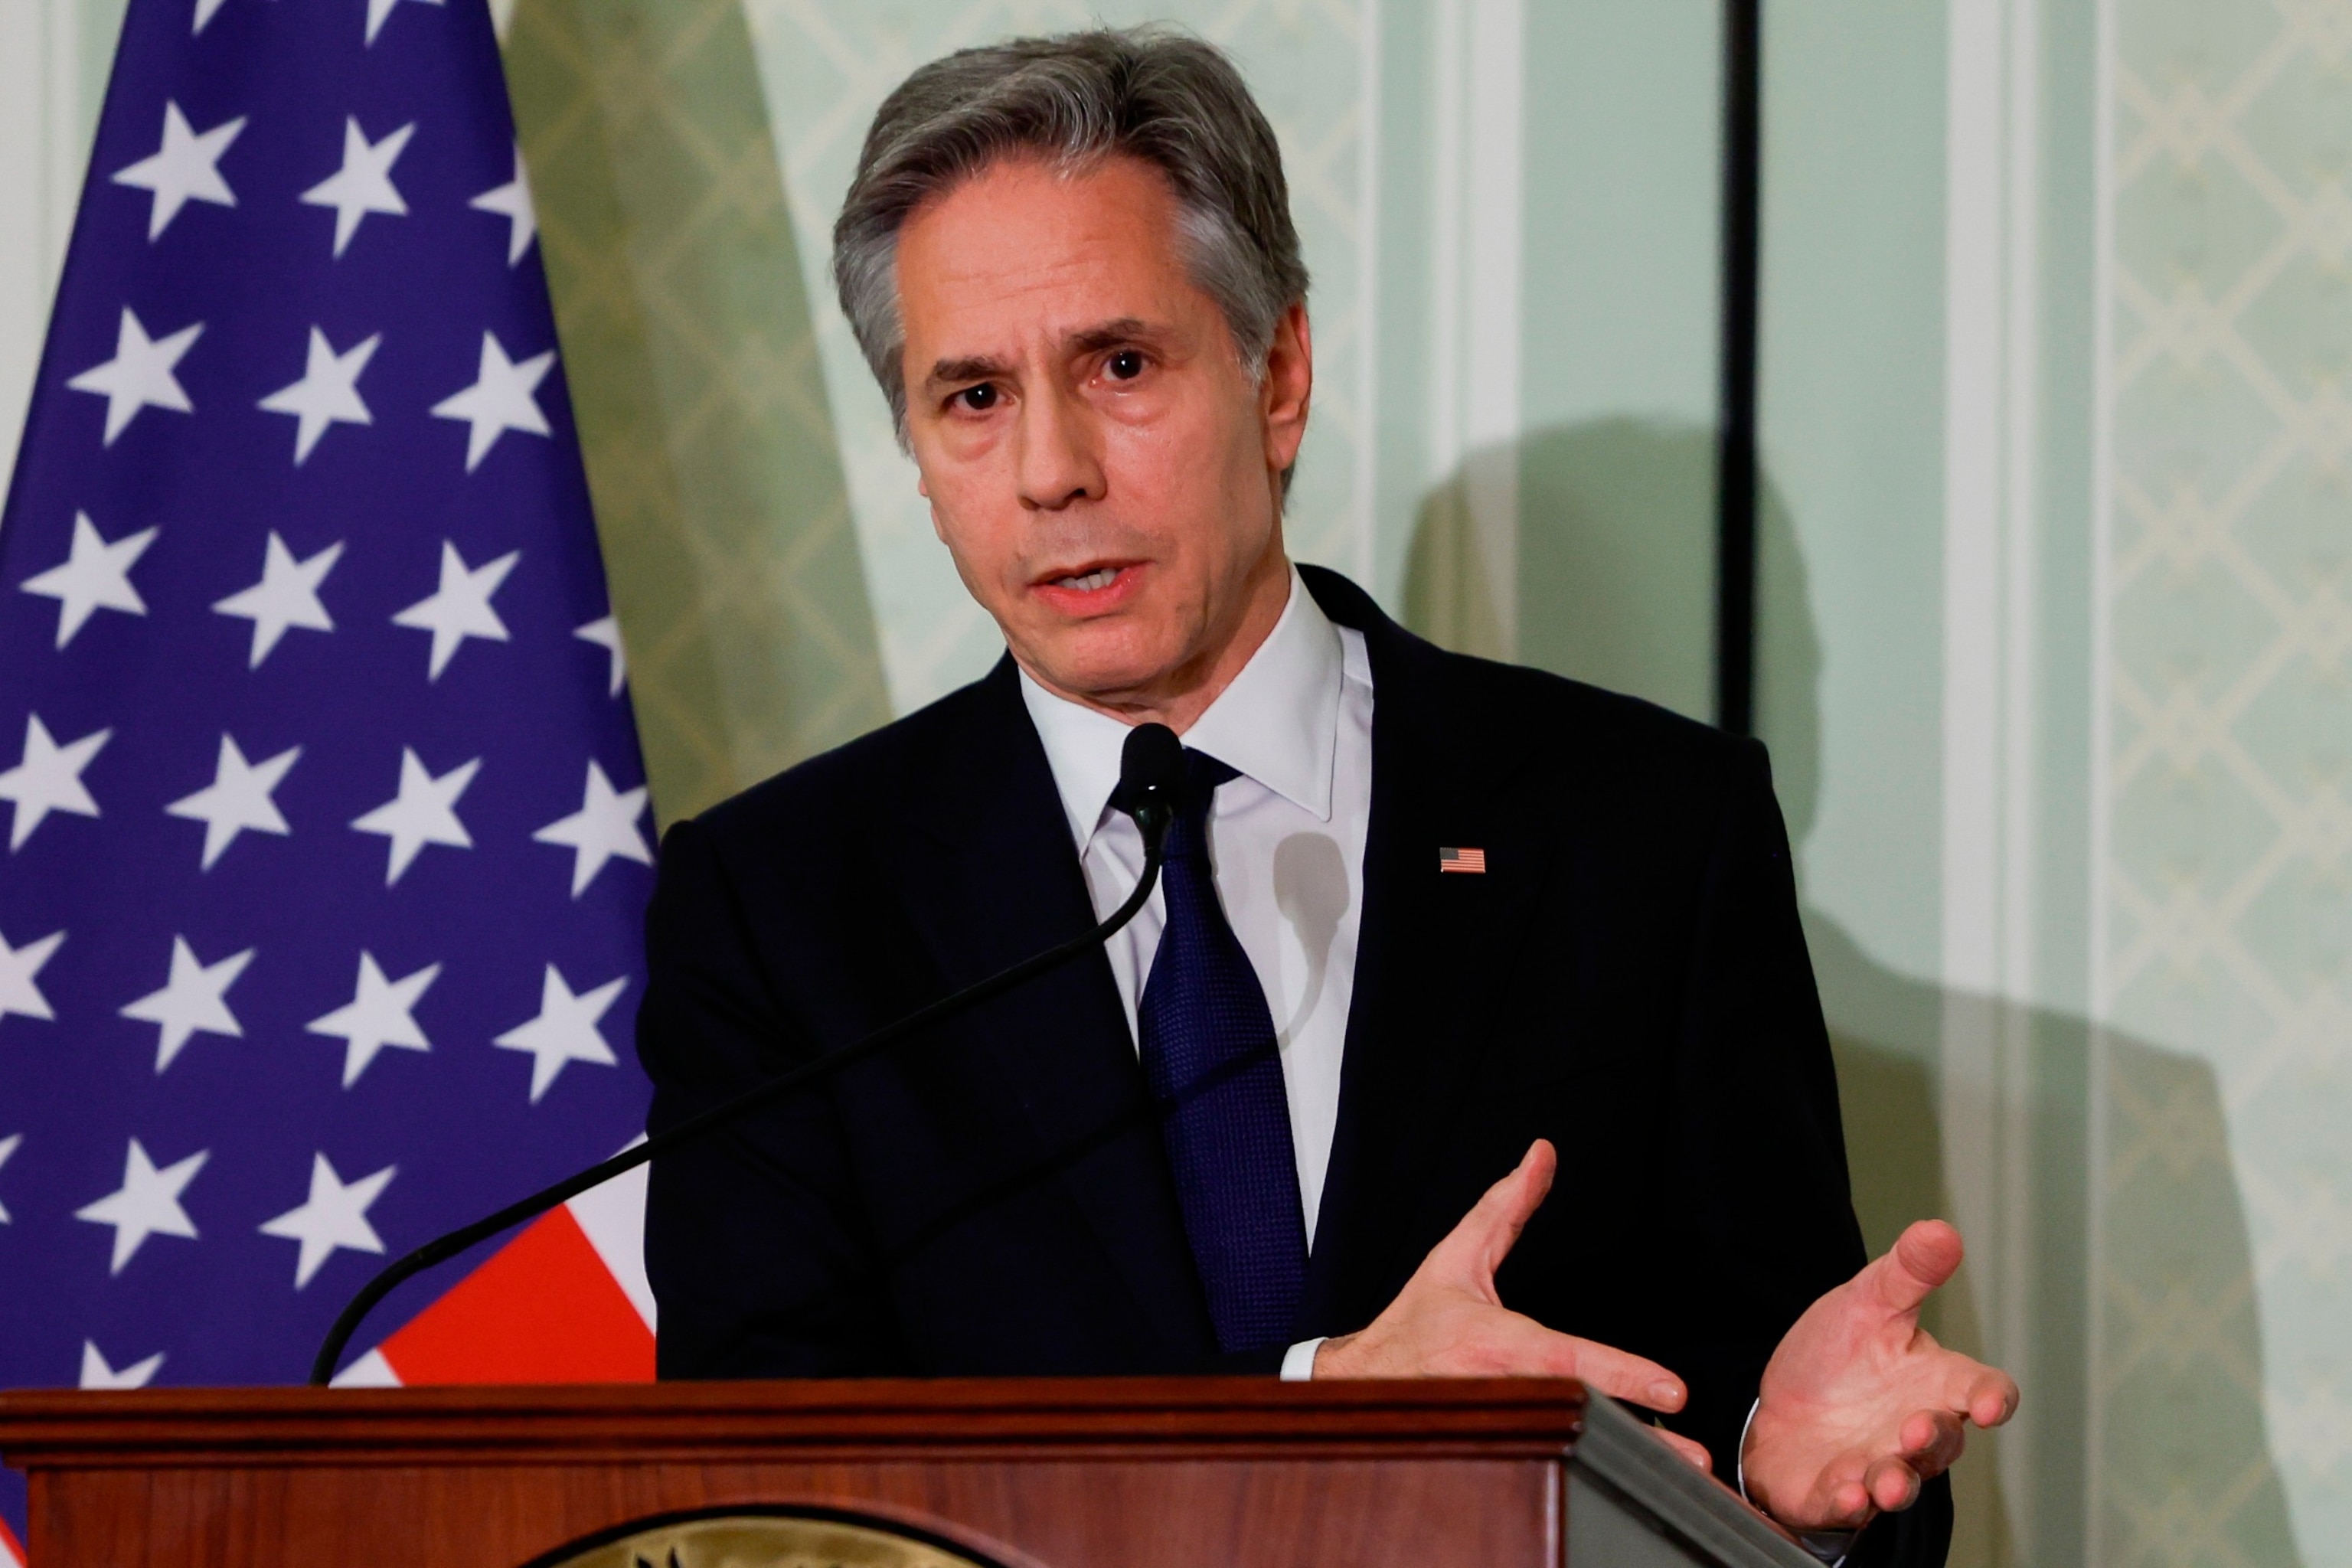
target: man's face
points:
(1099, 461)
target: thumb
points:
(1924, 1256)
(1475, 1248)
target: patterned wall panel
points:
(2225, 882)
(710, 442)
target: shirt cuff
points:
(1298, 1360)
(1830, 1545)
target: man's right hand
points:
(1448, 1321)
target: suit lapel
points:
(1433, 951)
(1008, 885)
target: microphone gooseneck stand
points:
(1151, 771)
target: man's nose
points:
(1059, 462)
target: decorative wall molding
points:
(2223, 787)
(1992, 547)
(1476, 162)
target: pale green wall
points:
(1850, 414)
(1618, 389)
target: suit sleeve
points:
(754, 1245)
(1761, 1146)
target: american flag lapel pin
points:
(1470, 861)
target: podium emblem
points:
(761, 1541)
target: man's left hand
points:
(1861, 1406)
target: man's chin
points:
(1111, 673)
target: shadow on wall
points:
(1615, 586)
(1612, 565)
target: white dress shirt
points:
(1286, 844)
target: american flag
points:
(326, 840)
(1473, 861)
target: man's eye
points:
(978, 399)
(1126, 365)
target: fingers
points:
(1622, 1375)
(1986, 1394)
(1503, 1343)
(1924, 1257)
(1930, 1441)
(1475, 1249)
(1852, 1488)
(1891, 1485)
(1840, 1496)
(1510, 1202)
(1848, 1489)
(1691, 1453)
(1848, 1507)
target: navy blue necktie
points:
(1210, 1061)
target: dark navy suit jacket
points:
(1627, 979)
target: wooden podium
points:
(1042, 1473)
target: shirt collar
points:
(1277, 723)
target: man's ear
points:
(1289, 386)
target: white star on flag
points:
(286, 596)
(423, 812)
(96, 1374)
(140, 374)
(604, 826)
(499, 400)
(460, 607)
(237, 799)
(511, 201)
(184, 169)
(48, 778)
(194, 1001)
(8, 1147)
(381, 1013)
(94, 577)
(328, 394)
(18, 968)
(204, 9)
(335, 1216)
(565, 1030)
(378, 10)
(606, 634)
(364, 185)
(147, 1203)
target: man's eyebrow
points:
(1111, 334)
(978, 367)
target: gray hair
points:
(1151, 93)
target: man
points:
(1432, 932)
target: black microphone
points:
(1151, 779)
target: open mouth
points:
(1093, 588)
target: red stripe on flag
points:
(542, 1309)
(12, 1551)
